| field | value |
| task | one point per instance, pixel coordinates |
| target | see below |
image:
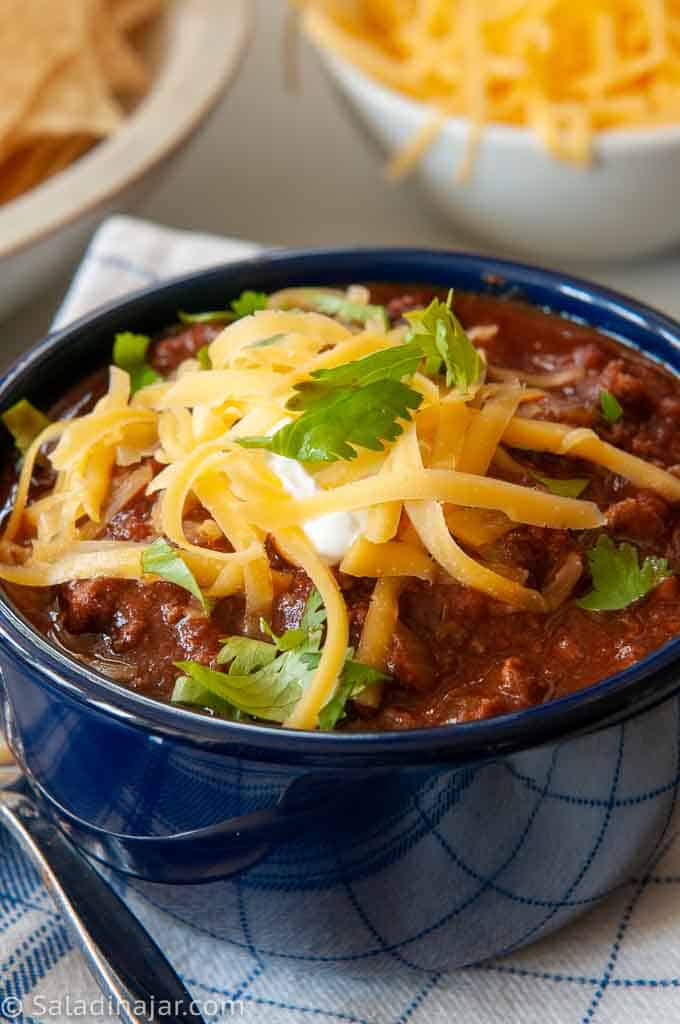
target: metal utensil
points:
(127, 964)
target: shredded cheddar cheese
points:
(294, 546)
(585, 444)
(566, 69)
(376, 636)
(394, 558)
(522, 504)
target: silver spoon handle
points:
(125, 961)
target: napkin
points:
(619, 963)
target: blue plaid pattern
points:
(234, 941)
(253, 940)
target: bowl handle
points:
(217, 851)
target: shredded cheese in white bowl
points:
(530, 126)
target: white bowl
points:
(199, 49)
(521, 199)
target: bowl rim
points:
(653, 679)
(606, 141)
(64, 185)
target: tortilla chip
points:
(35, 39)
(70, 150)
(37, 160)
(25, 168)
(132, 14)
(76, 100)
(65, 68)
(119, 61)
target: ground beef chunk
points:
(394, 717)
(669, 590)
(619, 377)
(471, 708)
(507, 686)
(166, 355)
(519, 682)
(591, 357)
(537, 551)
(657, 440)
(445, 617)
(643, 518)
(88, 605)
(289, 605)
(133, 523)
(673, 553)
(396, 308)
(670, 407)
(410, 660)
(88, 393)
(357, 594)
(152, 624)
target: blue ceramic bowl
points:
(432, 848)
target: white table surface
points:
(293, 169)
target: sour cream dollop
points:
(331, 535)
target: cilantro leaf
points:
(444, 342)
(246, 655)
(273, 690)
(572, 488)
(618, 579)
(159, 559)
(277, 672)
(246, 303)
(343, 309)
(356, 404)
(291, 640)
(129, 354)
(212, 316)
(390, 364)
(270, 693)
(355, 677)
(266, 680)
(610, 406)
(363, 417)
(24, 423)
(313, 620)
(188, 691)
(288, 641)
(318, 301)
(203, 356)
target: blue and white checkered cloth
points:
(618, 964)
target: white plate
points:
(200, 46)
